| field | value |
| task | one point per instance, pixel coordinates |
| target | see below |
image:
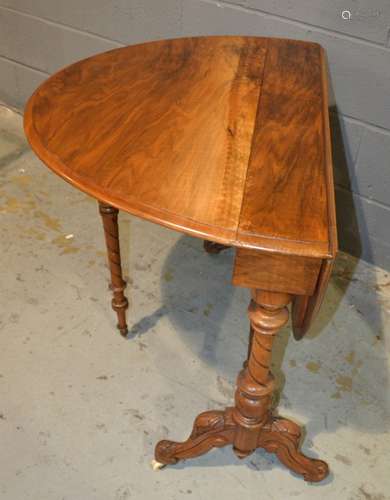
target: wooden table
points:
(225, 139)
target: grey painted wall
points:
(38, 37)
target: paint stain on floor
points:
(313, 367)
(50, 222)
(65, 244)
(344, 382)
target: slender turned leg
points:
(250, 424)
(119, 302)
(212, 247)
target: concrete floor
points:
(81, 408)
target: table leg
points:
(250, 424)
(214, 248)
(118, 284)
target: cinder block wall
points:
(37, 37)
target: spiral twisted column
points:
(118, 284)
(255, 384)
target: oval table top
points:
(225, 138)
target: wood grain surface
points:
(291, 274)
(220, 137)
(306, 307)
(285, 194)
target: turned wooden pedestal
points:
(226, 139)
(251, 424)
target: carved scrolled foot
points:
(212, 429)
(214, 248)
(282, 437)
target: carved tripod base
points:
(215, 429)
(250, 424)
